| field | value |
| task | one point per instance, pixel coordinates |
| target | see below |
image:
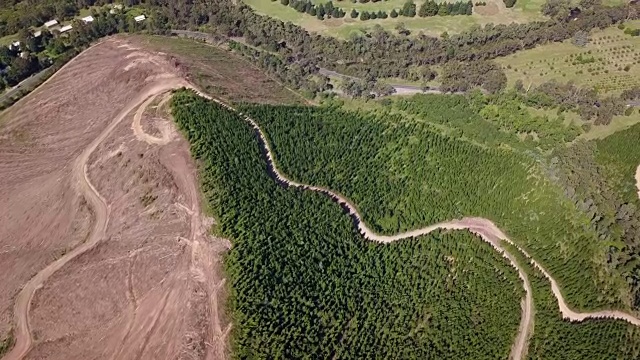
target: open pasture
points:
(495, 12)
(610, 62)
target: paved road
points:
(24, 84)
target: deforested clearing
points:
(101, 231)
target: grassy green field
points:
(610, 62)
(436, 25)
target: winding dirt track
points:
(484, 228)
(164, 127)
(101, 210)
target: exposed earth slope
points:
(103, 226)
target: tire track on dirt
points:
(101, 210)
(482, 227)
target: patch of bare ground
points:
(102, 233)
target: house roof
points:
(87, 19)
(37, 33)
(51, 23)
(65, 28)
(139, 18)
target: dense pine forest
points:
(305, 284)
(401, 176)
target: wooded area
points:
(305, 284)
(401, 176)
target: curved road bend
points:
(101, 210)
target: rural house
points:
(51, 23)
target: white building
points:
(15, 45)
(87, 19)
(37, 33)
(51, 23)
(65, 28)
(139, 18)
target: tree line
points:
(321, 11)
(383, 54)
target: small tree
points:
(509, 3)
(320, 12)
(408, 9)
(354, 13)
(393, 14)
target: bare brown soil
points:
(102, 234)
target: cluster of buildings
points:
(61, 29)
(55, 25)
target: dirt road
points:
(101, 211)
(484, 228)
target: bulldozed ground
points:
(107, 252)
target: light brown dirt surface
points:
(102, 234)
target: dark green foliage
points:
(306, 285)
(620, 156)
(321, 11)
(408, 9)
(509, 3)
(590, 182)
(402, 176)
(431, 8)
